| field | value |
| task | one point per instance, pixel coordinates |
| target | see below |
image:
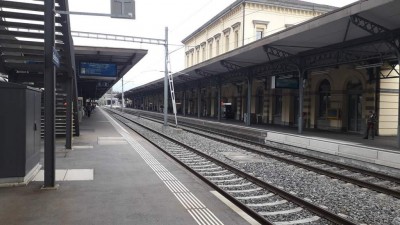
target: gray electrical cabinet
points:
(20, 117)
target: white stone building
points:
(243, 22)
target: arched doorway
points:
(354, 113)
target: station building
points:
(245, 68)
(243, 22)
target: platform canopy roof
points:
(123, 58)
(22, 41)
(365, 32)
(22, 49)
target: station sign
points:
(56, 58)
(98, 70)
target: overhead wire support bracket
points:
(113, 37)
(88, 14)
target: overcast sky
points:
(181, 17)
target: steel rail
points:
(361, 183)
(357, 182)
(294, 199)
(243, 207)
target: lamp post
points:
(166, 79)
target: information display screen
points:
(291, 83)
(98, 69)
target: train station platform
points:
(113, 176)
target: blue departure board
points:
(98, 69)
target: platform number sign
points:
(123, 9)
(56, 58)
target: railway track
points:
(378, 182)
(266, 203)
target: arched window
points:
(324, 98)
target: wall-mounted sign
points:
(98, 70)
(56, 58)
(290, 83)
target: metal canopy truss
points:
(234, 69)
(231, 67)
(286, 62)
(184, 78)
(113, 37)
(283, 55)
(374, 28)
(390, 72)
(362, 54)
(368, 25)
(274, 68)
(204, 73)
